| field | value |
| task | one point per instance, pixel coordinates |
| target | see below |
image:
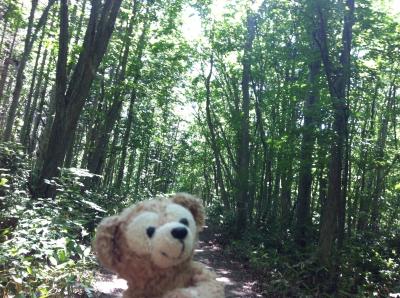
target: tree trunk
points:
(125, 139)
(303, 215)
(96, 157)
(38, 114)
(7, 61)
(28, 106)
(5, 24)
(29, 40)
(380, 159)
(337, 83)
(70, 104)
(213, 140)
(112, 158)
(365, 200)
(131, 166)
(343, 197)
(243, 150)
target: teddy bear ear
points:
(193, 204)
(106, 242)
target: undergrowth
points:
(367, 266)
(45, 243)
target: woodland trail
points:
(237, 278)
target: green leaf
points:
(53, 261)
(62, 256)
(3, 181)
(86, 252)
(17, 280)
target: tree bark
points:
(29, 40)
(38, 113)
(70, 104)
(380, 159)
(303, 215)
(7, 61)
(96, 157)
(28, 106)
(243, 150)
(337, 83)
(214, 146)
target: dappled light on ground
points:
(109, 285)
(238, 281)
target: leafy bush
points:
(368, 263)
(44, 254)
(46, 243)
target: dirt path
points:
(237, 278)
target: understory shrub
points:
(367, 265)
(45, 243)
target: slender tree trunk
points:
(3, 78)
(365, 200)
(337, 83)
(42, 89)
(5, 24)
(303, 215)
(28, 106)
(129, 172)
(243, 150)
(218, 171)
(96, 156)
(29, 40)
(345, 181)
(380, 159)
(125, 139)
(267, 162)
(112, 158)
(25, 133)
(7, 61)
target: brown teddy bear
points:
(151, 245)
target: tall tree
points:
(30, 38)
(243, 149)
(213, 138)
(338, 83)
(70, 100)
(303, 214)
(96, 156)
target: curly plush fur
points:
(147, 274)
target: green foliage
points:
(286, 271)
(45, 244)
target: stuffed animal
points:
(151, 245)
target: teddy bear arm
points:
(203, 284)
(206, 284)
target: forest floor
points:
(238, 279)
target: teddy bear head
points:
(150, 236)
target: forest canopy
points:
(281, 115)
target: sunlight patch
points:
(225, 280)
(111, 286)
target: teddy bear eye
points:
(184, 221)
(150, 231)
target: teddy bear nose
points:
(179, 233)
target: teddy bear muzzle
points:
(171, 244)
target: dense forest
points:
(281, 115)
